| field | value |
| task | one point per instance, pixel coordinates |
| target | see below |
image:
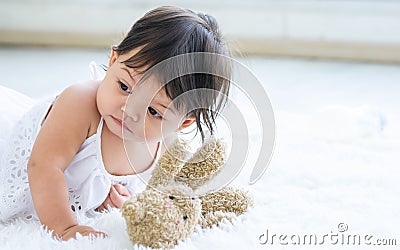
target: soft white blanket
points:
(323, 173)
(331, 165)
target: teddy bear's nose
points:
(167, 205)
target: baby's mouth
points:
(125, 126)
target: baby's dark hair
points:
(168, 31)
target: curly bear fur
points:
(168, 211)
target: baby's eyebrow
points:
(130, 75)
(163, 105)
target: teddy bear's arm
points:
(214, 218)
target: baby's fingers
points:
(82, 230)
(107, 203)
(95, 234)
(117, 199)
(122, 190)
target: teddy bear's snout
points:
(167, 204)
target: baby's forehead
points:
(160, 96)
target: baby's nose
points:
(135, 117)
(131, 117)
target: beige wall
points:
(353, 29)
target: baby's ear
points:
(132, 211)
(113, 57)
(187, 122)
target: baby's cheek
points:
(154, 132)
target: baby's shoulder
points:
(82, 94)
(83, 97)
(85, 87)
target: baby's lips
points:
(128, 129)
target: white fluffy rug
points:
(321, 175)
(331, 165)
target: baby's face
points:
(140, 112)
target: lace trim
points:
(16, 199)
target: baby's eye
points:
(154, 113)
(124, 87)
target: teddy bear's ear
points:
(205, 163)
(170, 163)
(132, 211)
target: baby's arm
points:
(63, 132)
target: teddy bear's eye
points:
(185, 217)
(171, 197)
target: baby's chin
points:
(139, 139)
(133, 138)
(130, 136)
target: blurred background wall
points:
(366, 30)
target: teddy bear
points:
(168, 210)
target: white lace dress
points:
(13, 180)
(87, 179)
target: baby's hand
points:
(116, 197)
(83, 230)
